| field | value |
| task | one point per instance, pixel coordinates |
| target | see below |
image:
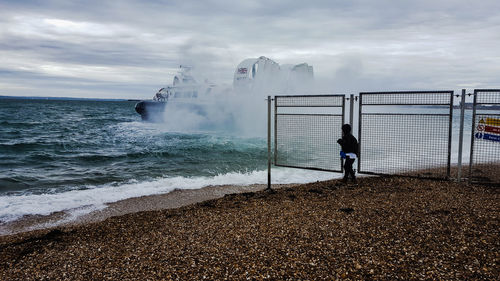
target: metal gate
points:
(405, 133)
(484, 165)
(306, 129)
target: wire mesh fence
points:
(406, 98)
(310, 101)
(485, 138)
(405, 133)
(306, 131)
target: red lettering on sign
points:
(491, 129)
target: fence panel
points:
(485, 138)
(306, 131)
(405, 133)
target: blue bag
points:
(342, 154)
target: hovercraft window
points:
(255, 67)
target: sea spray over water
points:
(193, 105)
(242, 114)
(109, 145)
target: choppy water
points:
(63, 154)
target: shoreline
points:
(171, 200)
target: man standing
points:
(349, 146)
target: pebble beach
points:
(388, 228)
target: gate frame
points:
(450, 125)
(473, 129)
(275, 152)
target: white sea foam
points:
(81, 202)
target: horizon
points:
(64, 98)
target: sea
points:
(79, 155)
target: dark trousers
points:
(349, 172)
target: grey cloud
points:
(36, 84)
(93, 53)
(351, 44)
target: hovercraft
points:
(252, 76)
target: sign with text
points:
(488, 129)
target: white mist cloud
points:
(227, 111)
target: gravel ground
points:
(384, 228)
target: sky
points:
(131, 48)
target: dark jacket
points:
(349, 144)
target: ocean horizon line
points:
(63, 98)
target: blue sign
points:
(489, 137)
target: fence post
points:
(351, 111)
(450, 130)
(461, 136)
(359, 130)
(471, 157)
(275, 130)
(269, 142)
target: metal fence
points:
(405, 133)
(400, 133)
(484, 164)
(306, 129)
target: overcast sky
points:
(129, 49)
